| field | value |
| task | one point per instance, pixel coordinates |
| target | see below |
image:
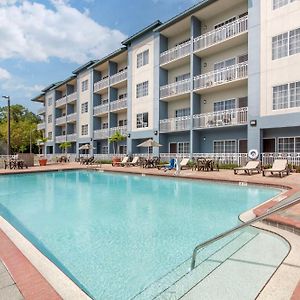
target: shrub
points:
(228, 166)
(105, 161)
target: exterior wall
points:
(50, 110)
(174, 105)
(174, 40)
(178, 71)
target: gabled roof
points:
(142, 32)
(184, 14)
(108, 57)
(85, 66)
(38, 98)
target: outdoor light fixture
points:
(204, 101)
(128, 135)
(155, 132)
(253, 123)
(205, 65)
(8, 123)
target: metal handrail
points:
(295, 199)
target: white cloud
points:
(4, 74)
(34, 32)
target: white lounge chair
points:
(280, 166)
(184, 163)
(134, 162)
(123, 162)
(253, 165)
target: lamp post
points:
(8, 123)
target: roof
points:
(47, 88)
(85, 66)
(142, 32)
(108, 57)
(63, 82)
(37, 98)
(184, 14)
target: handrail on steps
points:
(290, 201)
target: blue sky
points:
(44, 41)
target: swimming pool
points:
(114, 234)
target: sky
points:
(44, 41)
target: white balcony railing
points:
(101, 133)
(121, 129)
(60, 120)
(99, 85)
(221, 34)
(101, 109)
(60, 102)
(121, 76)
(41, 110)
(293, 158)
(175, 53)
(72, 97)
(41, 126)
(72, 117)
(176, 88)
(238, 116)
(175, 124)
(60, 138)
(118, 104)
(72, 137)
(218, 77)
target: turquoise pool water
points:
(115, 234)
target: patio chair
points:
(122, 163)
(169, 166)
(280, 166)
(251, 166)
(184, 163)
(134, 162)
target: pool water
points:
(115, 234)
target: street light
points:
(8, 123)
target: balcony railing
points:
(175, 124)
(101, 109)
(121, 129)
(175, 53)
(41, 126)
(61, 101)
(72, 117)
(119, 104)
(60, 120)
(118, 77)
(72, 97)
(176, 88)
(221, 34)
(101, 84)
(222, 118)
(41, 110)
(72, 137)
(218, 77)
(101, 133)
(60, 138)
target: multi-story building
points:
(221, 77)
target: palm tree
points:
(115, 139)
(65, 146)
(41, 142)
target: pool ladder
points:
(290, 201)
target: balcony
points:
(230, 117)
(102, 84)
(60, 120)
(226, 33)
(72, 97)
(60, 138)
(101, 109)
(170, 57)
(101, 134)
(175, 90)
(41, 126)
(118, 105)
(72, 137)
(219, 77)
(121, 129)
(60, 102)
(71, 118)
(117, 78)
(41, 111)
(175, 124)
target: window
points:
(286, 96)
(225, 22)
(84, 85)
(122, 122)
(105, 125)
(84, 107)
(285, 44)
(289, 144)
(123, 149)
(182, 112)
(49, 101)
(50, 119)
(224, 64)
(104, 101)
(85, 129)
(104, 150)
(122, 96)
(183, 147)
(183, 77)
(142, 120)
(228, 146)
(224, 105)
(49, 135)
(142, 89)
(142, 59)
(280, 3)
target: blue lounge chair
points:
(169, 166)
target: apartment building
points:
(222, 77)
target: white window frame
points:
(224, 145)
(292, 96)
(85, 107)
(223, 102)
(104, 125)
(50, 101)
(49, 119)
(140, 122)
(294, 142)
(225, 22)
(142, 59)
(50, 135)
(84, 129)
(280, 3)
(142, 89)
(84, 85)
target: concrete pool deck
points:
(289, 219)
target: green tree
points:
(40, 142)
(65, 146)
(115, 139)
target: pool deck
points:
(19, 279)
